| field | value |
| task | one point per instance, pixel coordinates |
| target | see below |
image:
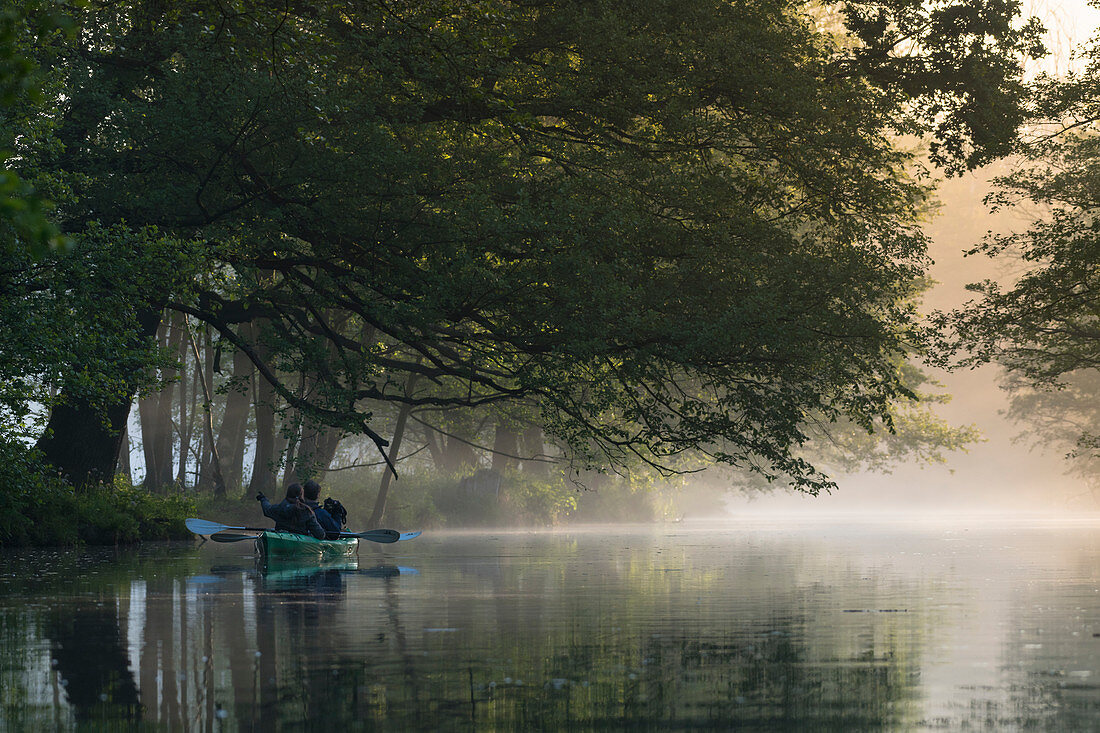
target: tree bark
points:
(230, 442)
(147, 418)
(188, 408)
(264, 462)
(378, 513)
(79, 445)
(291, 447)
(457, 454)
(326, 448)
(435, 448)
(313, 453)
(166, 433)
(155, 412)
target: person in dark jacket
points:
(312, 491)
(292, 514)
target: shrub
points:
(40, 509)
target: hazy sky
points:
(996, 474)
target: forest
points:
(523, 261)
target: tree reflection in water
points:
(90, 658)
(548, 632)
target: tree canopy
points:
(678, 228)
(1043, 323)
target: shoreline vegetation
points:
(41, 510)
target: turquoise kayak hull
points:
(290, 546)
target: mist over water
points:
(1006, 472)
(752, 626)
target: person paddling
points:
(332, 526)
(292, 514)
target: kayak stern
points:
(288, 545)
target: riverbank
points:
(44, 512)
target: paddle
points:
(382, 535)
(230, 537)
(206, 527)
(375, 535)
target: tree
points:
(24, 210)
(1066, 418)
(1044, 325)
(678, 229)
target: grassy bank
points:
(37, 509)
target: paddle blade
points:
(230, 537)
(203, 526)
(379, 535)
(409, 535)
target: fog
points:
(1003, 474)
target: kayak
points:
(288, 545)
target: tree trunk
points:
(230, 443)
(123, 462)
(237, 449)
(155, 412)
(505, 448)
(458, 455)
(291, 447)
(313, 453)
(264, 462)
(435, 448)
(147, 418)
(166, 434)
(83, 443)
(188, 408)
(209, 446)
(379, 511)
(150, 429)
(79, 445)
(326, 448)
(534, 448)
(316, 444)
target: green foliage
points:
(530, 501)
(38, 509)
(1043, 325)
(244, 512)
(682, 230)
(509, 498)
(955, 68)
(25, 224)
(70, 321)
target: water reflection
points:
(763, 628)
(106, 688)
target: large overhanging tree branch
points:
(677, 227)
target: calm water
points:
(751, 627)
